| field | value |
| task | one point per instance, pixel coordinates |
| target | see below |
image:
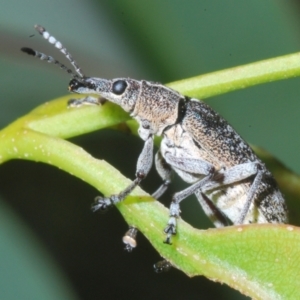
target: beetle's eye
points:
(119, 87)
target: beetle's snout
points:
(75, 85)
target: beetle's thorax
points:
(156, 107)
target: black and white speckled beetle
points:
(232, 185)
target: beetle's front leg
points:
(144, 164)
(88, 100)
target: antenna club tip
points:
(28, 51)
(39, 28)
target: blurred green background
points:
(52, 246)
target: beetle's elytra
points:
(232, 185)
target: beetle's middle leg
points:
(195, 166)
(165, 171)
(144, 164)
(211, 180)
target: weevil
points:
(230, 182)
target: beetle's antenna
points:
(49, 59)
(52, 40)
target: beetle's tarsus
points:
(89, 100)
(129, 239)
(162, 266)
(102, 204)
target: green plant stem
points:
(224, 81)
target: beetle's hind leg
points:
(211, 210)
(234, 175)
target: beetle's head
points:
(121, 91)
